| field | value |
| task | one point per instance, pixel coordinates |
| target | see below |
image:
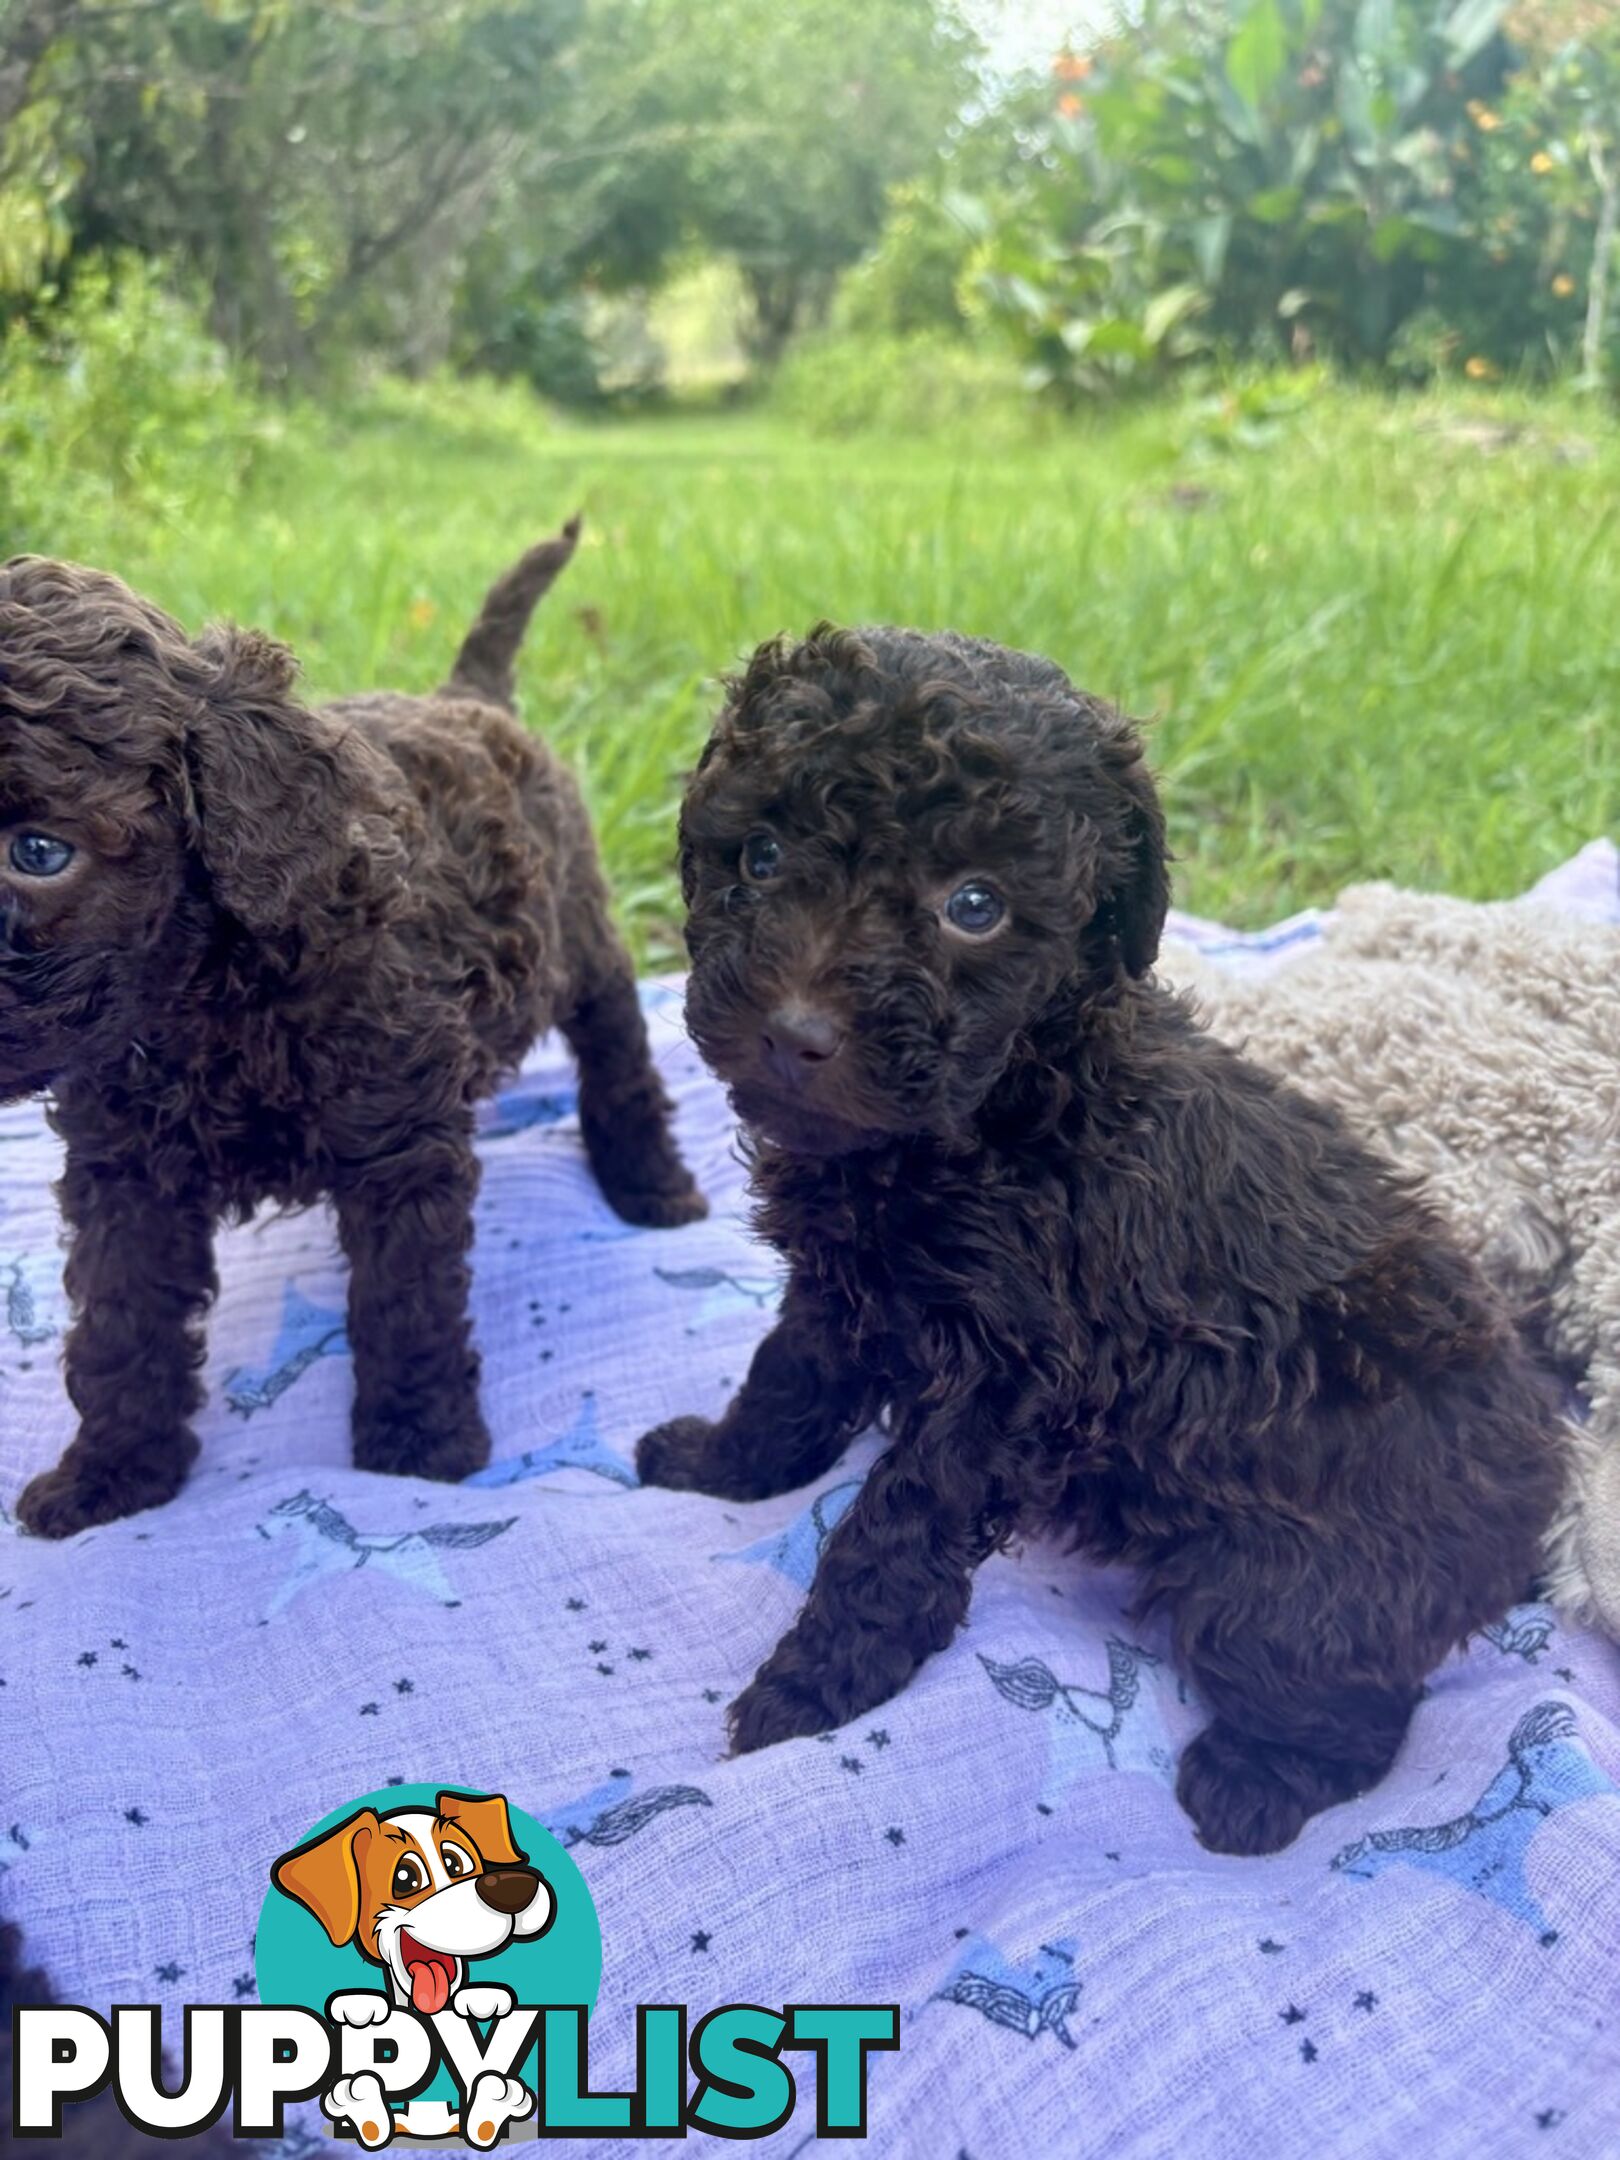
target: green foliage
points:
(1263, 177)
(836, 103)
(1542, 167)
(517, 320)
(1408, 185)
(767, 136)
(414, 180)
(913, 279)
(1395, 183)
(312, 168)
(119, 413)
(840, 384)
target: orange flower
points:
(1479, 370)
(1563, 284)
(1541, 162)
(1070, 106)
(1072, 67)
(1483, 118)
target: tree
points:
(845, 99)
(306, 162)
(1573, 103)
(767, 134)
(330, 170)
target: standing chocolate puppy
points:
(262, 951)
(1103, 1278)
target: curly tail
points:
(484, 665)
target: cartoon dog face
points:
(420, 1892)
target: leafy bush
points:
(843, 385)
(121, 403)
(1264, 177)
(446, 407)
(912, 280)
(1542, 180)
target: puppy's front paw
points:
(1238, 1798)
(687, 1455)
(772, 1708)
(78, 1494)
(677, 1455)
(406, 1447)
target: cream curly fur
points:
(1481, 1044)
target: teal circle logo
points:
(418, 1892)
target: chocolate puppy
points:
(259, 951)
(1101, 1277)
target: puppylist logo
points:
(428, 1960)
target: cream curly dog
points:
(1481, 1044)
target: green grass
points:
(1369, 649)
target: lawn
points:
(1382, 641)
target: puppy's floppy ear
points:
(487, 1822)
(1135, 907)
(284, 804)
(324, 1875)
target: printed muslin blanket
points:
(1433, 1968)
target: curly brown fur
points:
(1100, 1275)
(289, 951)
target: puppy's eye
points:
(974, 908)
(456, 1863)
(37, 854)
(761, 857)
(409, 1877)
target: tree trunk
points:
(251, 312)
(775, 297)
(1607, 176)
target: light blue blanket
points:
(1434, 1969)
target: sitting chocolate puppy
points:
(259, 952)
(1103, 1278)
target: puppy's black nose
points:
(796, 1036)
(508, 1889)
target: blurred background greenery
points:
(1255, 358)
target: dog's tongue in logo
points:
(431, 1975)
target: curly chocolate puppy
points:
(263, 952)
(1102, 1277)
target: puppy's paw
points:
(665, 1205)
(678, 1455)
(77, 1494)
(685, 1456)
(634, 1160)
(361, 2102)
(772, 1708)
(494, 2102)
(489, 2001)
(1239, 1795)
(406, 1447)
